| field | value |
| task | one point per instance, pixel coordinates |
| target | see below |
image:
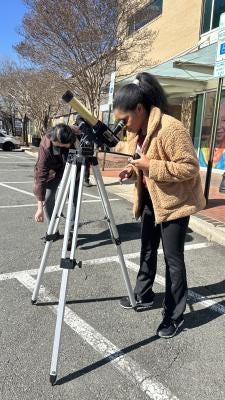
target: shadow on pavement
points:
(106, 360)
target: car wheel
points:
(8, 146)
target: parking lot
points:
(106, 352)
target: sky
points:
(11, 12)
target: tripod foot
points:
(52, 379)
(33, 301)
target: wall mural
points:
(219, 153)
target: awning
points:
(183, 75)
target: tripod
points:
(68, 263)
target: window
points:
(211, 14)
(143, 16)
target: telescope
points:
(100, 133)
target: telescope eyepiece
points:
(68, 96)
(121, 124)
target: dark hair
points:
(61, 133)
(146, 91)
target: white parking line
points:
(24, 182)
(204, 301)
(124, 364)
(32, 205)
(15, 170)
(31, 194)
(99, 261)
(196, 297)
(13, 157)
(17, 190)
(91, 195)
(19, 206)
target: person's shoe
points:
(168, 327)
(140, 304)
(87, 183)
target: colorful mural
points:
(219, 152)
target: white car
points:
(8, 142)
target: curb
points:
(211, 229)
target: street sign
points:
(111, 88)
(219, 69)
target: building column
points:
(187, 110)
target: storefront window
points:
(212, 10)
(219, 153)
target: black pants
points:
(172, 234)
(50, 197)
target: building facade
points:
(185, 52)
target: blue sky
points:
(11, 12)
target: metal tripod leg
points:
(53, 226)
(113, 230)
(65, 273)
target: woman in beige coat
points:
(167, 191)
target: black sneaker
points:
(87, 183)
(168, 327)
(140, 304)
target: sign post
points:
(219, 72)
(110, 101)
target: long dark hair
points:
(146, 91)
(62, 133)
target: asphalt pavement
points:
(106, 352)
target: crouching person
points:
(48, 171)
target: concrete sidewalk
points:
(209, 223)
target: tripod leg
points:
(77, 215)
(52, 228)
(64, 283)
(113, 230)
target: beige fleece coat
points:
(173, 178)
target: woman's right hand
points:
(126, 173)
(39, 215)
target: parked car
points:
(8, 142)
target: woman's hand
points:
(39, 215)
(126, 173)
(141, 163)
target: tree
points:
(35, 93)
(7, 115)
(82, 40)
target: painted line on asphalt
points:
(31, 194)
(13, 157)
(18, 206)
(32, 205)
(196, 297)
(16, 189)
(98, 261)
(24, 182)
(15, 170)
(17, 162)
(129, 368)
(91, 195)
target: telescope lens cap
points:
(68, 96)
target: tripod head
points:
(99, 132)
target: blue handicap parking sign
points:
(222, 48)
